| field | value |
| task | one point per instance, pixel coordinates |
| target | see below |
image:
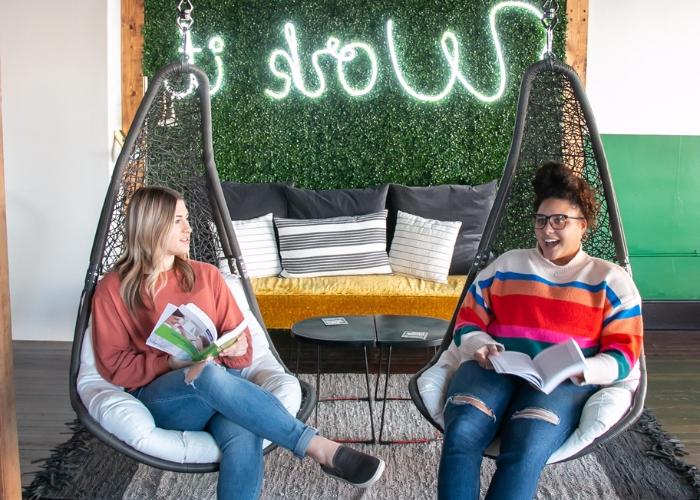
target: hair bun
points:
(556, 180)
(553, 177)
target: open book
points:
(186, 332)
(546, 370)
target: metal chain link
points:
(184, 15)
(184, 23)
(550, 8)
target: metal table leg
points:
(372, 440)
(386, 386)
(379, 373)
(381, 440)
(369, 395)
(318, 383)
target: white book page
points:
(516, 363)
(233, 334)
(559, 362)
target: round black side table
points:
(358, 331)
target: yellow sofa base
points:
(284, 301)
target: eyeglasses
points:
(557, 221)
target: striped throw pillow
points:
(334, 246)
(256, 238)
(423, 247)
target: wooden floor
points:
(43, 407)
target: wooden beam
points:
(10, 484)
(132, 59)
(577, 36)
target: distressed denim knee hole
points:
(198, 368)
(468, 399)
(538, 414)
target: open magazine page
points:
(559, 362)
(183, 332)
(516, 363)
(546, 370)
(198, 324)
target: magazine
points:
(546, 370)
(186, 332)
(339, 320)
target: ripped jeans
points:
(482, 404)
(239, 415)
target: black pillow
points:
(247, 201)
(321, 204)
(448, 202)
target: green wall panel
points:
(338, 140)
(667, 277)
(657, 181)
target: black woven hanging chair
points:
(554, 121)
(169, 143)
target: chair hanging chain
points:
(184, 23)
(549, 21)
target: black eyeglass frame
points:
(548, 219)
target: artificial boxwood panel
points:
(338, 140)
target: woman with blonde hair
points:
(155, 270)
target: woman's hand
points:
(481, 355)
(176, 364)
(237, 349)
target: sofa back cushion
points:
(258, 243)
(449, 202)
(333, 246)
(248, 201)
(321, 204)
(423, 248)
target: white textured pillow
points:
(423, 247)
(256, 237)
(334, 246)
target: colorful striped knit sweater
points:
(526, 303)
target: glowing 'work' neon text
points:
(290, 74)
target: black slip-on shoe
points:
(354, 467)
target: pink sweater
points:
(121, 354)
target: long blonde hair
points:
(150, 217)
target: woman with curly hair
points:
(527, 300)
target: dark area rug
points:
(643, 463)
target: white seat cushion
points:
(602, 410)
(129, 420)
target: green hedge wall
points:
(338, 140)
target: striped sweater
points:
(526, 303)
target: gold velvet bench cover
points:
(284, 301)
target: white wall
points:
(643, 74)
(58, 120)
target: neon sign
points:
(343, 55)
(286, 66)
(216, 47)
(291, 74)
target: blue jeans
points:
(239, 415)
(482, 404)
